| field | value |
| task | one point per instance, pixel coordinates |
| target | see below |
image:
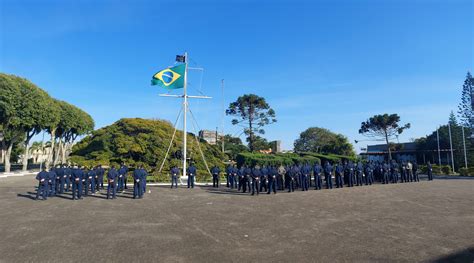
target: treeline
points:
(26, 110)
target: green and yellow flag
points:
(170, 78)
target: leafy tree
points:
(73, 123)
(36, 103)
(15, 112)
(253, 113)
(261, 143)
(234, 146)
(383, 126)
(320, 140)
(465, 111)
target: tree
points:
(383, 126)
(465, 111)
(234, 146)
(320, 140)
(36, 103)
(429, 144)
(253, 113)
(260, 143)
(14, 114)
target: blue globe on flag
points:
(167, 77)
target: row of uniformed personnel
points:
(272, 178)
(82, 180)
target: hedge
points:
(252, 159)
(441, 170)
(466, 171)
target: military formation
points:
(271, 179)
(81, 182)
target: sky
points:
(330, 64)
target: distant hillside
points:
(138, 140)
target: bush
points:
(440, 170)
(466, 171)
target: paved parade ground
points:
(426, 221)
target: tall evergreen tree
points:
(465, 110)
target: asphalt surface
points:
(414, 222)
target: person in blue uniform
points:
(122, 171)
(291, 178)
(67, 174)
(59, 179)
(328, 175)
(385, 173)
(215, 171)
(272, 180)
(416, 178)
(339, 171)
(350, 174)
(305, 177)
(430, 171)
(235, 175)
(228, 176)
(369, 174)
(96, 180)
(359, 171)
(52, 182)
(100, 174)
(247, 173)
(174, 172)
(144, 174)
(137, 183)
(317, 170)
(256, 174)
(112, 182)
(42, 178)
(76, 179)
(264, 178)
(191, 173)
(85, 181)
(91, 175)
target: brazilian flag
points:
(170, 78)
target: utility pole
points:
(439, 152)
(464, 144)
(451, 146)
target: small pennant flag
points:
(170, 78)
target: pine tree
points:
(465, 110)
(452, 119)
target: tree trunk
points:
(25, 155)
(388, 147)
(50, 155)
(57, 152)
(63, 152)
(2, 159)
(7, 157)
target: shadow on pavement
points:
(29, 196)
(466, 255)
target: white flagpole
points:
(223, 114)
(185, 106)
